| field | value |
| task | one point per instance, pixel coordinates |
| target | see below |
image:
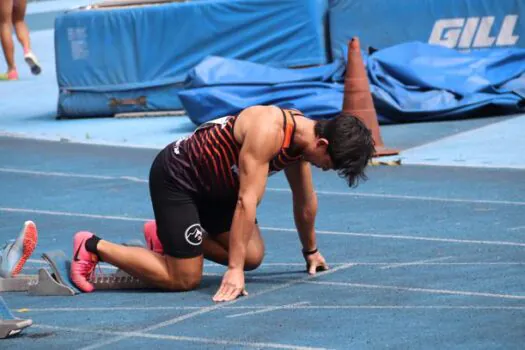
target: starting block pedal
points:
(57, 281)
(9, 325)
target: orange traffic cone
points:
(357, 98)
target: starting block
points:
(9, 328)
(9, 325)
(55, 280)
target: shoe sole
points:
(30, 240)
(35, 68)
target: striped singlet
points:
(206, 163)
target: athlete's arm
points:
(260, 143)
(299, 176)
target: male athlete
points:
(205, 189)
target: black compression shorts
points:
(181, 218)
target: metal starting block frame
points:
(55, 280)
(17, 284)
(9, 328)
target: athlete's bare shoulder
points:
(259, 119)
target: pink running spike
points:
(83, 263)
(30, 239)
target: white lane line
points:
(270, 189)
(64, 213)
(269, 309)
(179, 338)
(264, 307)
(279, 229)
(356, 263)
(417, 238)
(114, 308)
(60, 174)
(422, 290)
(420, 262)
(221, 305)
(406, 197)
(72, 175)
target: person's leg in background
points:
(6, 36)
(22, 33)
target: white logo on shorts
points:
(194, 234)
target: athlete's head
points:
(344, 144)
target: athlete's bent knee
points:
(182, 277)
(190, 283)
(183, 283)
(253, 261)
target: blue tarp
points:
(409, 82)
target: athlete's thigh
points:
(177, 217)
(19, 10)
(6, 11)
(179, 229)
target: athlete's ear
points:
(322, 142)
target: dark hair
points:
(350, 145)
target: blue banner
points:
(459, 24)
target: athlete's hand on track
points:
(232, 286)
(315, 262)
